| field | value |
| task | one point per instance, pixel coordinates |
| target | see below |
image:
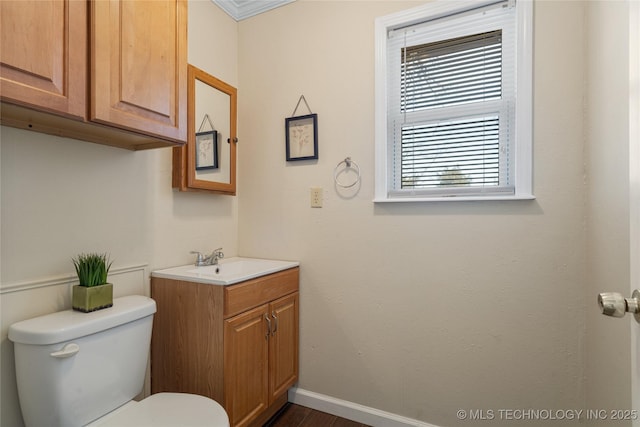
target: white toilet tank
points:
(74, 367)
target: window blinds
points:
(450, 100)
(451, 72)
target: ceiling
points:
(242, 9)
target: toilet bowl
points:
(78, 369)
(166, 410)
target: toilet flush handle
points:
(67, 351)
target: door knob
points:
(615, 305)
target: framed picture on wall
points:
(207, 150)
(302, 137)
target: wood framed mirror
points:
(208, 161)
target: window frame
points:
(523, 156)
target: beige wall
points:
(135, 215)
(607, 160)
(416, 309)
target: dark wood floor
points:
(300, 416)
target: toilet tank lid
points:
(68, 325)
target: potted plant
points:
(93, 293)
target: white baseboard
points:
(351, 411)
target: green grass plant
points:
(92, 269)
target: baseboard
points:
(351, 411)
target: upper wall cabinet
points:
(136, 72)
(43, 52)
(139, 66)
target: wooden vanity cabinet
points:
(261, 358)
(236, 344)
(111, 72)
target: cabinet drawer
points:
(252, 293)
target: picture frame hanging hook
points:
(302, 98)
(206, 118)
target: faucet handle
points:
(199, 257)
(218, 253)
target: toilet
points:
(78, 369)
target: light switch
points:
(316, 197)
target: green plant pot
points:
(88, 299)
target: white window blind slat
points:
(459, 152)
(450, 106)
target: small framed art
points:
(207, 150)
(302, 137)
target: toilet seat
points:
(167, 410)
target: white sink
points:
(227, 272)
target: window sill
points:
(453, 199)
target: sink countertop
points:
(227, 272)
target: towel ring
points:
(350, 164)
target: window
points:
(453, 102)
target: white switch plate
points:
(316, 197)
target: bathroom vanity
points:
(229, 332)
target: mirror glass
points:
(208, 161)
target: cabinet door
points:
(283, 345)
(43, 55)
(246, 361)
(139, 66)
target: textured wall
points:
(416, 309)
(47, 217)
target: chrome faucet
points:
(202, 260)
